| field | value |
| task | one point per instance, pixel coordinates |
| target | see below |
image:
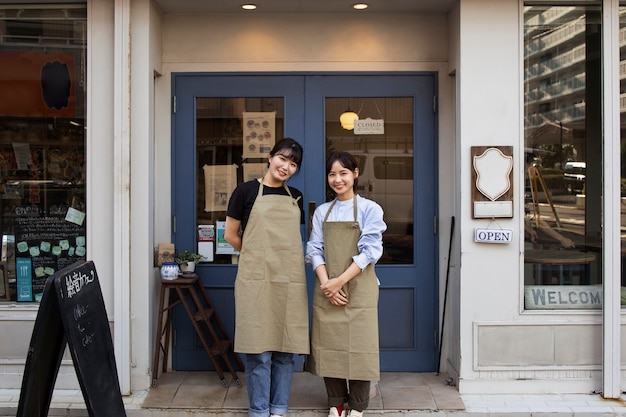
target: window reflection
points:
(563, 157)
(385, 164)
(622, 77)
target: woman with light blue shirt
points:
(344, 245)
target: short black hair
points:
(290, 149)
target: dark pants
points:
(357, 397)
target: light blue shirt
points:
(370, 219)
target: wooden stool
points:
(191, 293)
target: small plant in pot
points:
(187, 261)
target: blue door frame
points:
(408, 318)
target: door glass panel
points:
(385, 159)
(233, 139)
(563, 155)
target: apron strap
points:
(260, 194)
(333, 205)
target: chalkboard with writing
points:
(85, 327)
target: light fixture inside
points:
(347, 119)
(360, 6)
(249, 6)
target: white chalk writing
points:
(76, 281)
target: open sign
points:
(485, 235)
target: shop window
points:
(622, 77)
(563, 155)
(42, 145)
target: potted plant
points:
(187, 261)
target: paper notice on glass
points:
(206, 250)
(219, 183)
(253, 171)
(259, 134)
(75, 216)
(23, 157)
(223, 247)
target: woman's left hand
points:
(332, 290)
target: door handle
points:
(312, 207)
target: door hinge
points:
(435, 339)
(173, 338)
(174, 224)
(174, 104)
(434, 104)
(435, 225)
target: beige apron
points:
(271, 304)
(344, 339)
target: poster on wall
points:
(43, 246)
(219, 183)
(253, 171)
(259, 134)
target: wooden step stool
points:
(191, 293)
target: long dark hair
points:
(290, 149)
(346, 159)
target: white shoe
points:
(355, 413)
(333, 412)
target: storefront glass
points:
(42, 144)
(385, 160)
(622, 100)
(563, 157)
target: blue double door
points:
(222, 129)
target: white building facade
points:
(489, 75)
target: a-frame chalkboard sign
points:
(72, 311)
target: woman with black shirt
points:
(271, 307)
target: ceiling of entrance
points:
(304, 6)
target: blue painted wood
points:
(408, 318)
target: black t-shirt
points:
(242, 200)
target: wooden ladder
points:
(205, 320)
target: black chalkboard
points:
(44, 357)
(72, 310)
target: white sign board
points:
(369, 127)
(487, 235)
(488, 209)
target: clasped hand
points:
(333, 291)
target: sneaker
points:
(277, 415)
(355, 413)
(333, 412)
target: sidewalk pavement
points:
(200, 394)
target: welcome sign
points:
(562, 297)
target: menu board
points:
(43, 246)
(76, 316)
